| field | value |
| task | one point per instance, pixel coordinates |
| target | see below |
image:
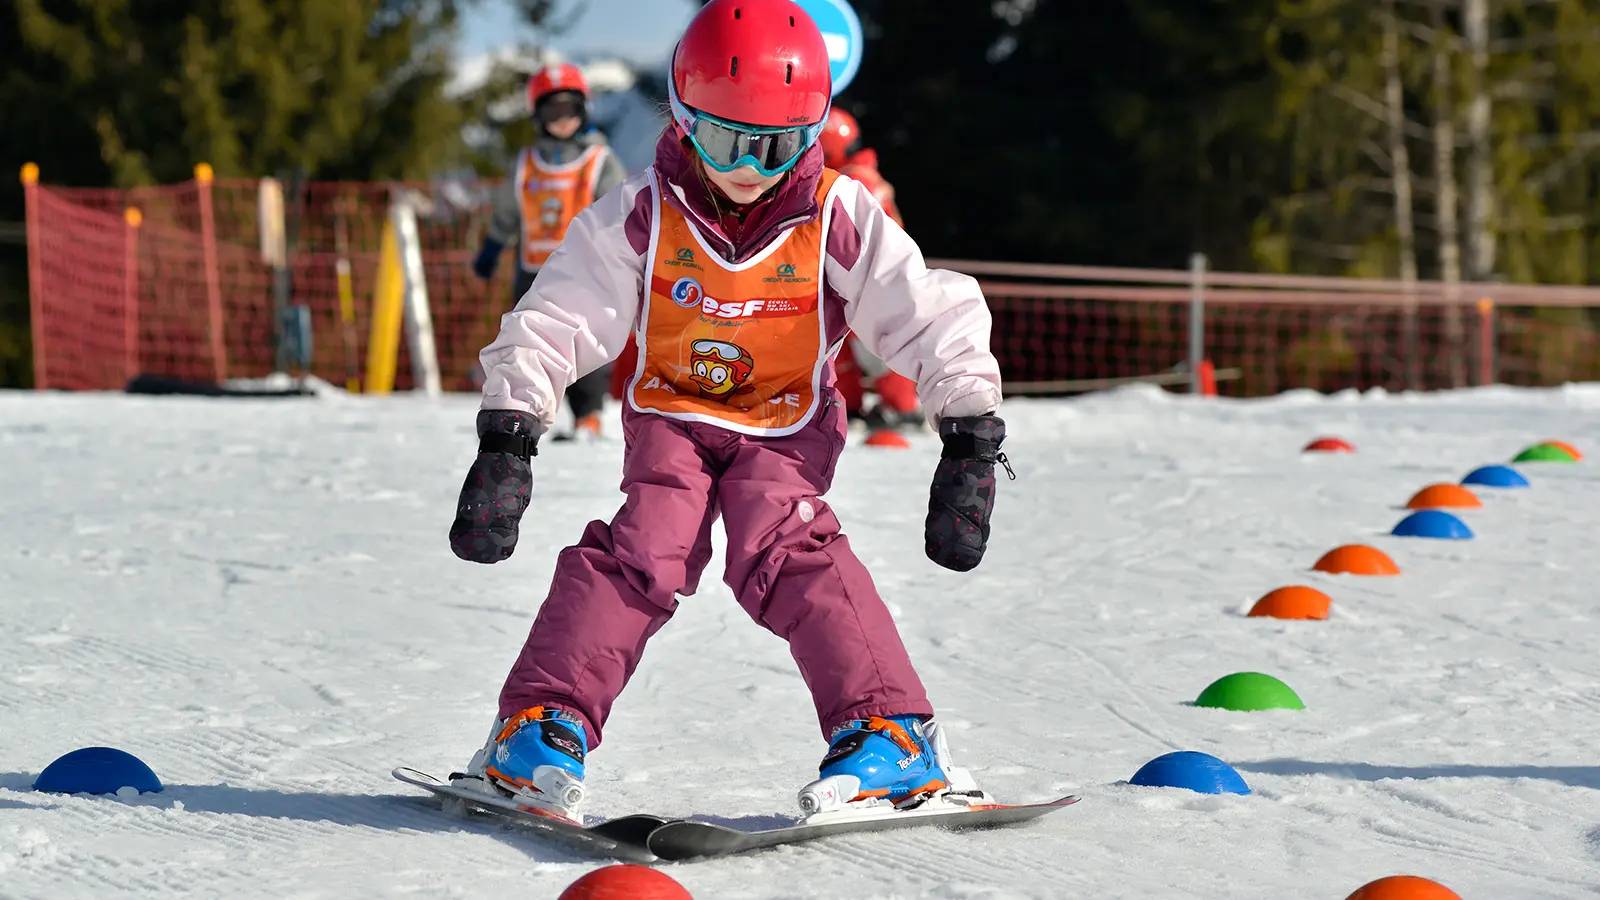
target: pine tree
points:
(119, 93)
(251, 86)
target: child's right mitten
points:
(962, 497)
(497, 488)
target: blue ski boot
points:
(897, 760)
(536, 758)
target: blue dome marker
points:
(1433, 523)
(96, 770)
(1192, 771)
(1496, 476)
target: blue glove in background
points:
(488, 257)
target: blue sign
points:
(841, 30)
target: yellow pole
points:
(388, 299)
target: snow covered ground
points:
(257, 598)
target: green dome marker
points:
(1544, 453)
(1247, 691)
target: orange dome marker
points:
(887, 437)
(1444, 496)
(1293, 602)
(1403, 887)
(1329, 445)
(1356, 559)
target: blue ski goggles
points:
(726, 146)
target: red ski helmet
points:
(554, 78)
(841, 136)
(754, 62)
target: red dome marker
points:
(625, 882)
(1329, 445)
(888, 437)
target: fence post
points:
(208, 242)
(1485, 342)
(130, 290)
(275, 254)
(1197, 321)
(30, 191)
(347, 300)
(418, 312)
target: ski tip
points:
(417, 777)
(1067, 800)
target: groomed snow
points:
(257, 598)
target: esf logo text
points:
(687, 293)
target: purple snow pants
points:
(788, 565)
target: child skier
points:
(738, 262)
(568, 167)
(843, 149)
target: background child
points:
(568, 167)
(843, 149)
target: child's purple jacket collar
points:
(793, 202)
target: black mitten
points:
(962, 497)
(497, 488)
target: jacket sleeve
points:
(505, 222)
(930, 325)
(577, 315)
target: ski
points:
(684, 839)
(621, 838)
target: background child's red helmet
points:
(754, 62)
(841, 136)
(554, 78)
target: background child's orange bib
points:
(551, 197)
(740, 346)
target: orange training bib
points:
(551, 197)
(739, 346)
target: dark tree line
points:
(1402, 138)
